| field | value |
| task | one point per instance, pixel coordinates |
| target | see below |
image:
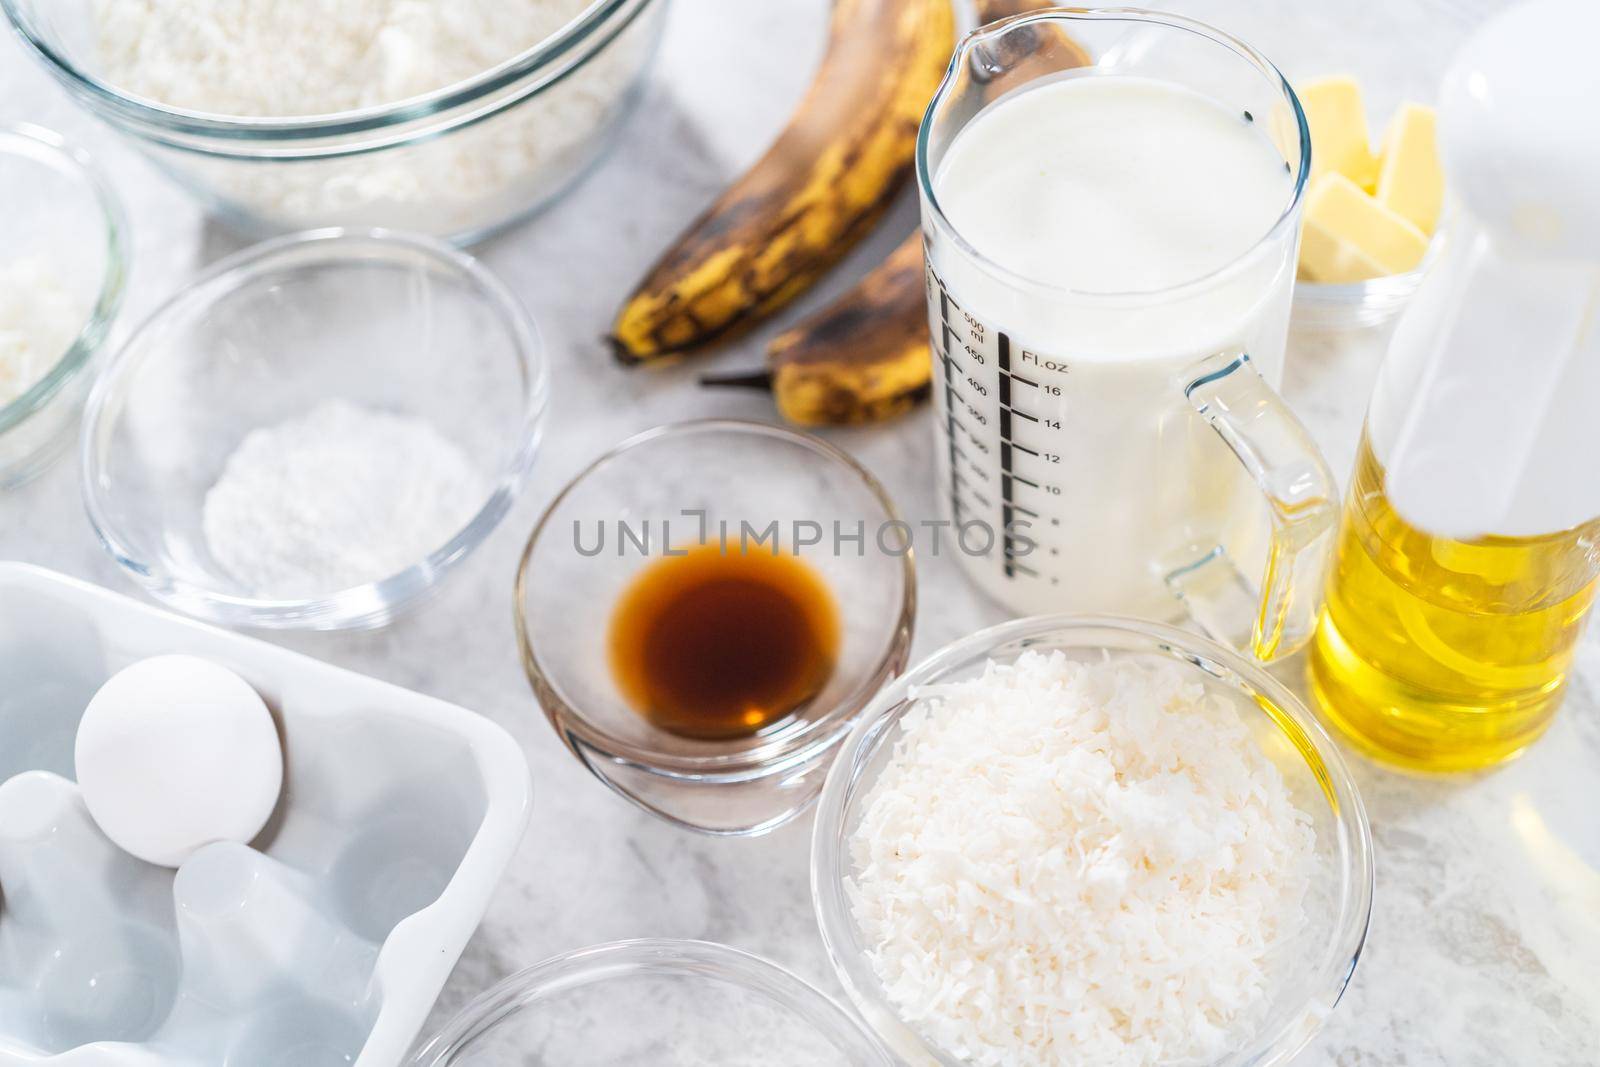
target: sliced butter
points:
(1410, 180)
(1338, 121)
(1350, 237)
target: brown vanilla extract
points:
(717, 645)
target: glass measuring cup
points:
(1090, 432)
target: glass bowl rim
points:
(348, 606)
(782, 751)
(544, 58)
(659, 956)
(72, 159)
(829, 861)
(1390, 292)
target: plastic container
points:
(384, 321)
(1310, 974)
(662, 484)
(457, 163)
(650, 1003)
(61, 213)
(324, 943)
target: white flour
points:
(287, 58)
(312, 57)
(39, 319)
(336, 498)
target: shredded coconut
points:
(336, 498)
(298, 58)
(1078, 863)
(39, 319)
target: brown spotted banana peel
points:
(846, 151)
(866, 356)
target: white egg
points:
(176, 752)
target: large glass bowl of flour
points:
(315, 431)
(447, 117)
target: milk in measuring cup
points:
(1109, 232)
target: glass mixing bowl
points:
(654, 491)
(458, 163)
(1398, 50)
(1310, 973)
(60, 216)
(652, 1003)
(387, 322)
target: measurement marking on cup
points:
(949, 408)
(1007, 498)
(961, 414)
(974, 470)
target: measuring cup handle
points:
(1278, 452)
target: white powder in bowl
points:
(39, 320)
(298, 58)
(1078, 863)
(284, 58)
(336, 498)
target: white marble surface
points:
(1485, 945)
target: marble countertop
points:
(1485, 943)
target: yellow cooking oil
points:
(1445, 655)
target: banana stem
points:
(760, 379)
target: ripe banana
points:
(866, 356)
(846, 151)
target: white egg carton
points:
(327, 946)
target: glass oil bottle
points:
(1467, 557)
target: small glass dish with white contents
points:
(315, 431)
(62, 246)
(1305, 974)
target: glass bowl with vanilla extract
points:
(704, 611)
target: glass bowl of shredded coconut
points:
(61, 277)
(315, 431)
(1072, 840)
(446, 117)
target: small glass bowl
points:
(457, 163)
(1378, 45)
(386, 321)
(649, 1002)
(1313, 971)
(1359, 305)
(656, 487)
(61, 212)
